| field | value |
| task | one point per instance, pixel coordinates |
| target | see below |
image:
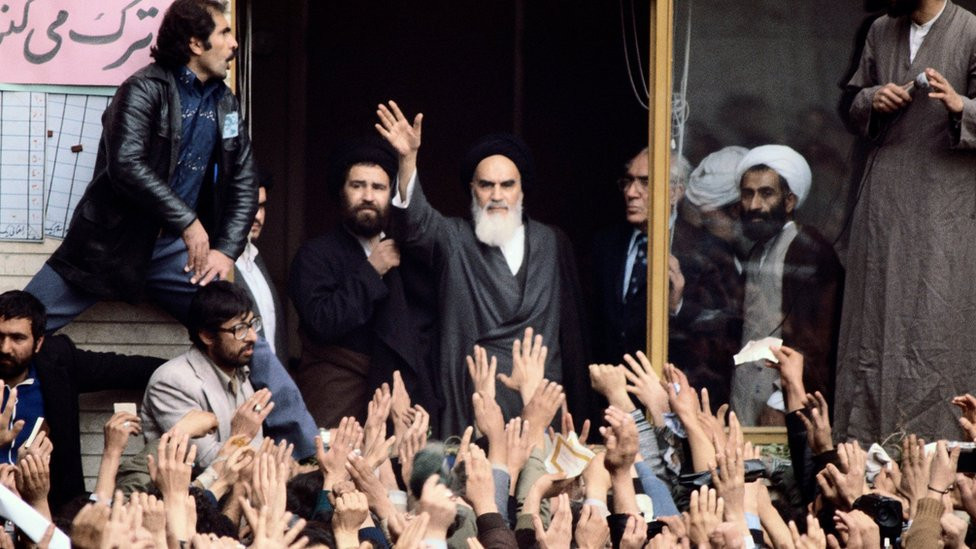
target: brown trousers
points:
(333, 382)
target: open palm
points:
(397, 129)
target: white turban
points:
(784, 161)
(713, 184)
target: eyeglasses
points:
(626, 181)
(240, 330)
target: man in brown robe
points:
(908, 332)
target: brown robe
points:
(908, 332)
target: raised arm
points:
(423, 227)
(405, 139)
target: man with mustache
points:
(500, 272)
(793, 278)
(357, 323)
(213, 375)
(909, 315)
(704, 283)
(172, 197)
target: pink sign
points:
(76, 42)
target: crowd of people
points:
(668, 470)
(444, 360)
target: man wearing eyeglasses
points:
(172, 197)
(696, 283)
(213, 375)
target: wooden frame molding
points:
(659, 150)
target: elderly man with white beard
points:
(499, 273)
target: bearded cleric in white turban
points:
(792, 282)
(714, 183)
(789, 164)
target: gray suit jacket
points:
(189, 382)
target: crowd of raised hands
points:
(668, 471)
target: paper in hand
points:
(758, 350)
(33, 434)
(129, 407)
(568, 455)
(877, 459)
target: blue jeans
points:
(169, 288)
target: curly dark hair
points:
(184, 19)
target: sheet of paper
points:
(646, 506)
(758, 350)
(28, 520)
(74, 127)
(568, 456)
(129, 407)
(37, 429)
(22, 165)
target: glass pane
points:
(760, 253)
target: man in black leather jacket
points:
(172, 197)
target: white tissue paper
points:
(758, 350)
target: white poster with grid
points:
(22, 130)
(74, 127)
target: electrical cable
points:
(630, 70)
(640, 64)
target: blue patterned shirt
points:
(198, 134)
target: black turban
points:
(505, 144)
(361, 151)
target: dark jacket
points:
(65, 372)
(705, 332)
(813, 283)
(344, 305)
(129, 202)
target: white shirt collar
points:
(250, 252)
(514, 249)
(917, 33)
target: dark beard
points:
(365, 226)
(769, 224)
(10, 368)
(899, 8)
(226, 359)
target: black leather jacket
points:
(130, 203)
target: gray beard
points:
(495, 229)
